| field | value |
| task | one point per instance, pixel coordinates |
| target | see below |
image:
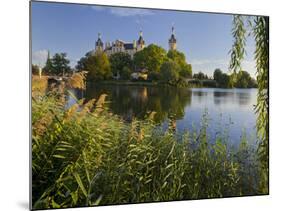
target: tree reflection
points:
(137, 101)
(243, 98)
(224, 97)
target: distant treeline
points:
(153, 63)
(242, 79)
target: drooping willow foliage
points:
(258, 27)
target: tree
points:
(81, 63)
(35, 69)
(259, 28)
(154, 76)
(170, 71)
(179, 58)
(186, 71)
(217, 74)
(222, 79)
(49, 65)
(121, 62)
(57, 65)
(243, 80)
(200, 76)
(126, 73)
(97, 65)
(150, 58)
(60, 64)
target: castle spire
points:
(173, 40)
(99, 43)
(140, 42)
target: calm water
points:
(226, 108)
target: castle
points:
(126, 47)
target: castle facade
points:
(128, 47)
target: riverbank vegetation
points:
(152, 66)
(86, 156)
(241, 79)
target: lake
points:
(231, 109)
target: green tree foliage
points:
(59, 64)
(217, 74)
(222, 79)
(81, 63)
(259, 28)
(244, 80)
(126, 73)
(200, 76)
(150, 58)
(97, 65)
(186, 71)
(238, 48)
(121, 62)
(35, 69)
(179, 58)
(49, 65)
(154, 76)
(170, 72)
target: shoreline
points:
(154, 83)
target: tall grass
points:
(86, 156)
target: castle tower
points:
(99, 44)
(172, 41)
(140, 42)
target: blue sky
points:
(204, 38)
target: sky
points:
(204, 38)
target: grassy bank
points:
(88, 156)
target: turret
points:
(99, 43)
(140, 42)
(107, 45)
(173, 41)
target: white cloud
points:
(39, 57)
(124, 12)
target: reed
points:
(86, 156)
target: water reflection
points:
(240, 96)
(182, 108)
(136, 101)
